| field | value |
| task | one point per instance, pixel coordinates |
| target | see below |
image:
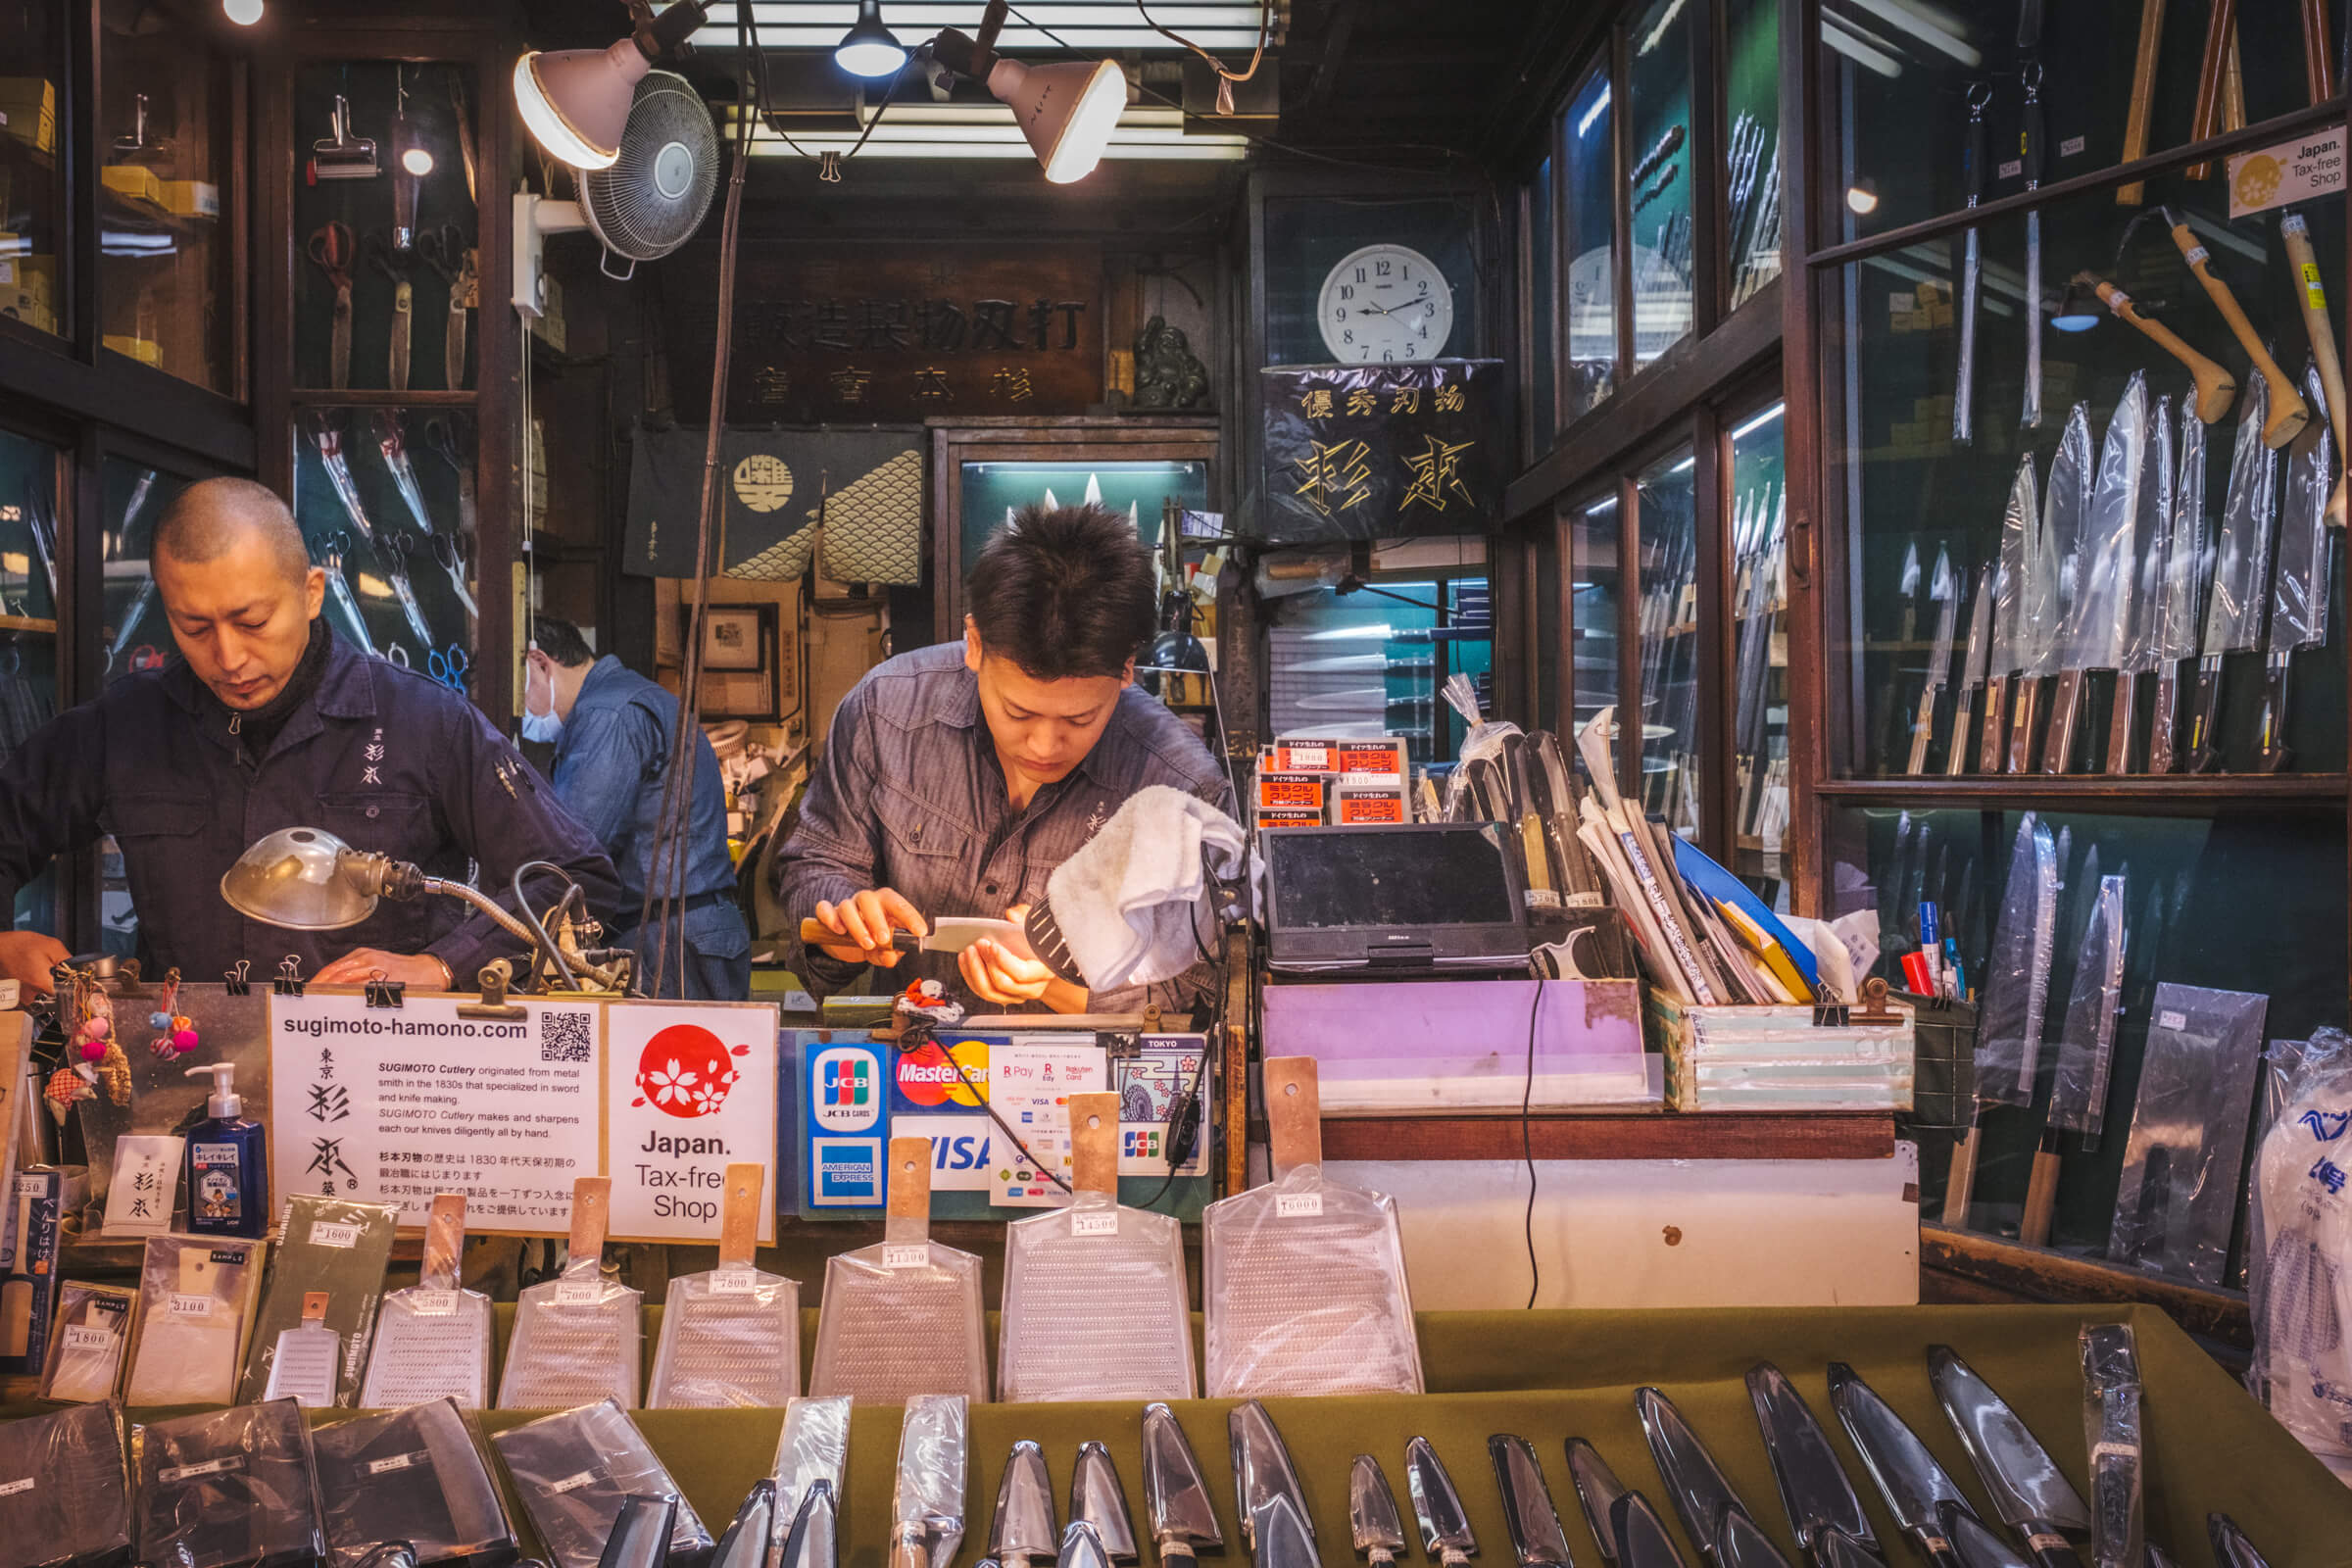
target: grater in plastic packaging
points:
(1305, 1285)
(1094, 1299)
(576, 1337)
(432, 1340)
(730, 1337)
(903, 1318)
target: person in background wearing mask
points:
(611, 730)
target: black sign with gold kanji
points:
(1375, 452)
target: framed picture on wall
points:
(732, 636)
(742, 675)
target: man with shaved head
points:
(270, 722)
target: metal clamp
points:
(289, 981)
(382, 993)
(495, 976)
(235, 982)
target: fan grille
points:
(654, 197)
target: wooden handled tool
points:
(910, 1184)
(2143, 99)
(2221, 26)
(444, 1243)
(1293, 1111)
(1960, 1185)
(2288, 412)
(1094, 1143)
(739, 1214)
(2314, 299)
(2041, 1193)
(2217, 388)
(2319, 59)
(591, 1215)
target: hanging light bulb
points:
(244, 12)
(417, 161)
(870, 48)
(1066, 112)
(577, 101)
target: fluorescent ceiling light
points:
(1658, 33)
(1605, 504)
(1860, 53)
(1685, 466)
(989, 130)
(1584, 124)
(1910, 18)
(1759, 421)
(791, 24)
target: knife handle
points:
(2274, 752)
(816, 933)
(2048, 1547)
(1955, 754)
(2161, 723)
(2123, 720)
(906, 1551)
(1996, 691)
(1177, 1555)
(2204, 756)
(2020, 724)
(2066, 706)
(1922, 731)
(2042, 1199)
(1937, 1549)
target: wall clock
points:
(1384, 304)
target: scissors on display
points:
(333, 249)
(390, 261)
(441, 439)
(332, 548)
(448, 667)
(394, 549)
(451, 554)
(445, 251)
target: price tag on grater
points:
(82, 1340)
(1299, 1205)
(905, 1257)
(1106, 1223)
(734, 1281)
(579, 1293)
(432, 1304)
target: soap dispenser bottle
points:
(227, 1162)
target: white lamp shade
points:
(577, 101)
(1068, 111)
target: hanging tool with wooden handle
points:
(1973, 150)
(2029, 137)
(393, 263)
(2217, 388)
(2221, 28)
(2312, 297)
(2318, 60)
(2288, 412)
(2143, 99)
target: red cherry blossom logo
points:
(686, 1072)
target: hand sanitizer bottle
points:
(227, 1162)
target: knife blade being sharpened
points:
(949, 933)
(1445, 1524)
(1908, 1476)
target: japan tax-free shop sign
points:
(394, 1105)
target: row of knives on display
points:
(2109, 569)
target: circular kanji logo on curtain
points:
(686, 1072)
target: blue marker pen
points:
(1928, 944)
(1951, 949)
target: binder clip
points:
(235, 982)
(1874, 1009)
(384, 992)
(289, 981)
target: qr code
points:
(565, 1035)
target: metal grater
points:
(730, 1337)
(2304, 1322)
(1094, 1299)
(576, 1338)
(1305, 1291)
(903, 1318)
(432, 1340)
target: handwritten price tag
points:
(905, 1257)
(327, 1233)
(1299, 1205)
(190, 1306)
(579, 1293)
(432, 1304)
(734, 1282)
(1104, 1223)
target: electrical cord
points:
(1527, 1143)
(918, 1035)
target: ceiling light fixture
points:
(1066, 112)
(870, 48)
(1862, 196)
(577, 101)
(244, 12)
(2079, 311)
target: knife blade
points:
(1023, 1527)
(1262, 1469)
(640, 1537)
(1642, 1538)
(2097, 618)
(1943, 590)
(2029, 1492)
(1445, 1524)
(2230, 1547)
(1373, 1522)
(928, 1500)
(1536, 1538)
(2029, 137)
(2241, 564)
(815, 1541)
(949, 933)
(2299, 585)
(2112, 1430)
(1975, 148)
(2151, 537)
(1098, 1499)
(1814, 1489)
(1281, 1534)
(2182, 612)
(1176, 1501)
(2065, 504)
(1973, 668)
(1743, 1543)
(2019, 521)
(1908, 1475)
(1978, 1544)
(1694, 1483)
(1841, 1551)
(745, 1544)
(1597, 1489)
(1081, 1546)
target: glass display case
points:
(992, 492)
(1750, 171)
(138, 637)
(1758, 605)
(1589, 230)
(33, 193)
(1371, 662)
(1658, 181)
(168, 156)
(1538, 246)
(1670, 673)
(29, 588)
(1594, 594)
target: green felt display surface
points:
(1548, 1376)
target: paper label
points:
(398, 1461)
(1104, 1223)
(210, 1467)
(2039, 1542)
(1299, 1205)
(431, 1303)
(734, 1282)
(905, 1257)
(579, 1293)
(1371, 781)
(2011, 169)
(2070, 147)
(32, 1187)
(81, 1339)
(145, 1185)
(188, 1306)
(327, 1233)
(1302, 759)
(2170, 1019)
(571, 1483)
(2311, 290)
(2299, 171)
(12, 1488)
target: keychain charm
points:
(175, 1031)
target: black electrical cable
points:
(914, 1037)
(1527, 1143)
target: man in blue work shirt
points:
(613, 730)
(269, 721)
(958, 777)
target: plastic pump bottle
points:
(227, 1162)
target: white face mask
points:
(540, 728)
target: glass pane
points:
(1588, 130)
(1358, 667)
(32, 196)
(1593, 590)
(1544, 701)
(137, 636)
(1759, 603)
(1541, 308)
(1925, 512)
(1907, 77)
(2207, 902)
(385, 499)
(1658, 186)
(1751, 172)
(163, 278)
(28, 621)
(386, 217)
(993, 491)
(1307, 238)
(1669, 524)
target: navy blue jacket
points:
(382, 758)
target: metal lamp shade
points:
(295, 878)
(1068, 111)
(577, 101)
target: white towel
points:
(1130, 902)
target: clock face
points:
(1384, 304)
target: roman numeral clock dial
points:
(1386, 303)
